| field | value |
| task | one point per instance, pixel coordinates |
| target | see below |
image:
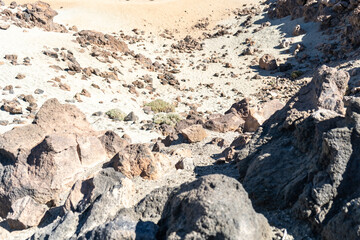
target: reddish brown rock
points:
(40, 14)
(12, 107)
(242, 108)
(225, 123)
(138, 160)
(194, 133)
(113, 143)
(4, 26)
(87, 37)
(268, 62)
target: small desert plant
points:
(159, 105)
(116, 114)
(169, 119)
(296, 74)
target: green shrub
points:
(159, 105)
(296, 74)
(169, 119)
(116, 114)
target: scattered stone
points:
(131, 117)
(12, 58)
(185, 164)
(38, 91)
(64, 86)
(20, 76)
(298, 31)
(268, 62)
(12, 107)
(4, 26)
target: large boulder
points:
(212, 207)
(91, 203)
(304, 158)
(44, 159)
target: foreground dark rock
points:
(305, 157)
(200, 210)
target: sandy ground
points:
(179, 16)
(112, 94)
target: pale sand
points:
(179, 16)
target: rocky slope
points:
(250, 131)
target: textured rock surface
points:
(90, 204)
(199, 210)
(257, 117)
(138, 160)
(315, 144)
(268, 62)
(87, 37)
(25, 213)
(345, 224)
(194, 133)
(42, 160)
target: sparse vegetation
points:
(296, 74)
(159, 105)
(116, 114)
(169, 119)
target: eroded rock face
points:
(329, 13)
(304, 157)
(199, 210)
(91, 204)
(42, 160)
(139, 160)
(38, 14)
(329, 88)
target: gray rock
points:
(305, 157)
(131, 117)
(346, 224)
(199, 210)
(123, 228)
(151, 207)
(90, 204)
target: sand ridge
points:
(178, 16)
